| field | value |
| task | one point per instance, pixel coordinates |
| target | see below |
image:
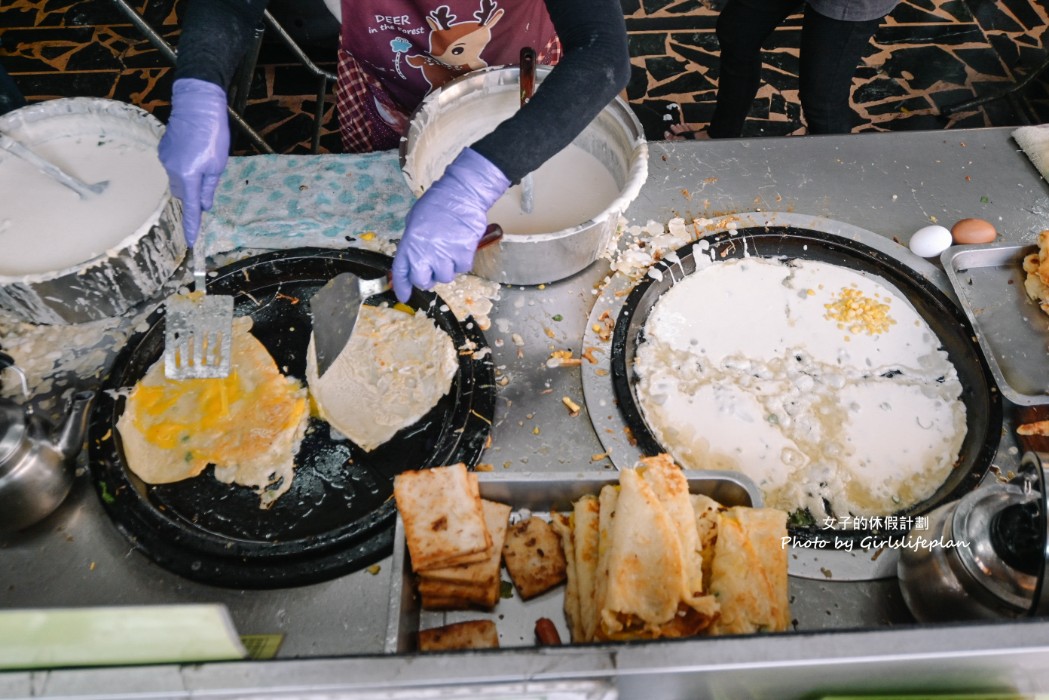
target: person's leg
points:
(830, 53)
(742, 28)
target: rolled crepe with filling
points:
(670, 488)
(648, 592)
(587, 537)
(562, 525)
(749, 575)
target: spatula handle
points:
(491, 234)
(200, 265)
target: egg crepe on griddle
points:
(248, 424)
(394, 368)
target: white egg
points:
(930, 241)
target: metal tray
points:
(1013, 331)
(539, 493)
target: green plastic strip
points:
(110, 636)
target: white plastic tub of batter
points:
(69, 259)
(579, 193)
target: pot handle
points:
(1032, 472)
(7, 361)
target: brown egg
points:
(968, 231)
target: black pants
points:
(830, 52)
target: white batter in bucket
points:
(68, 259)
(45, 226)
(571, 188)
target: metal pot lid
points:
(338, 515)
(980, 395)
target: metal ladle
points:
(50, 169)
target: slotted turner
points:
(198, 328)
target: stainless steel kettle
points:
(36, 459)
(984, 556)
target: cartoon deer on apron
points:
(456, 47)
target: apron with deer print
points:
(394, 52)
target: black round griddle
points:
(338, 515)
(982, 399)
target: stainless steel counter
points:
(887, 183)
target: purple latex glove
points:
(195, 147)
(443, 228)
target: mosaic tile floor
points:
(927, 55)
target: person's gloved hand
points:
(195, 147)
(443, 228)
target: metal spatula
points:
(335, 307)
(198, 328)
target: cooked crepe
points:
(649, 589)
(670, 488)
(248, 424)
(749, 574)
(587, 536)
(635, 573)
(395, 367)
(562, 525)
(1036, 265)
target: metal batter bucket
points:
(614, 137)
(127, 273)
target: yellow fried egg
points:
(248, 424)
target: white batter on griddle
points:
(395, 367)
(44, 226)
(741, 369)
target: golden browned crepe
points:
(562, 525)
(670, 488)
(749, 574)
(646, 559)
(650, 578)
(1036, 265)
(248, 424)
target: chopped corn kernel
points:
(859, 314)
